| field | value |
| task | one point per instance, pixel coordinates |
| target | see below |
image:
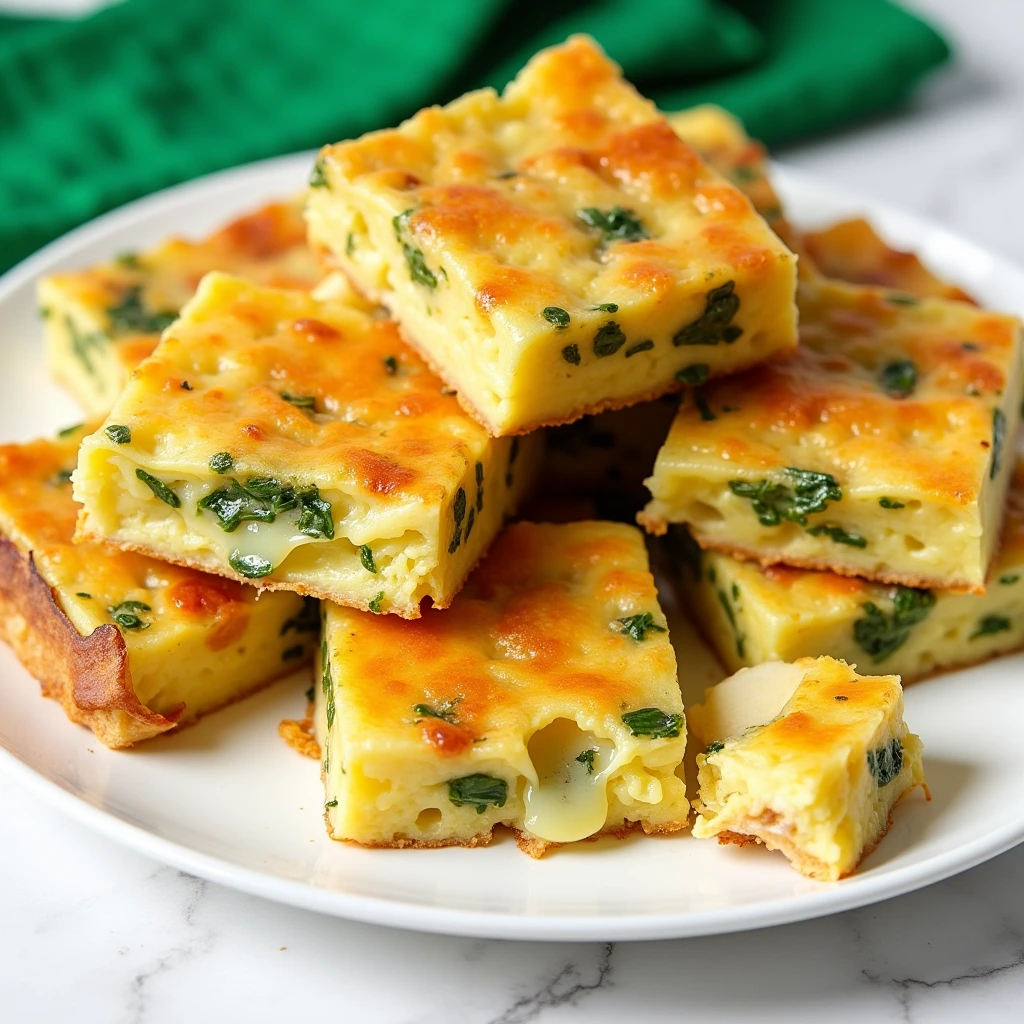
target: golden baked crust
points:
(880, 449)
(440, 728)
(341, 468)
(128, 646)
(101, 322)
(558, 249)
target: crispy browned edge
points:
(657, 526)
(608, 405)
(532, 846)
(807, 865)
(88, 675)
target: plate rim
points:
(856, 891)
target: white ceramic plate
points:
(227, 799)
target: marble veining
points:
(97, 934)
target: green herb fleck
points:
(63, 477)
(903, 300)
(557, 316)
(714, 747)
(605, 307)
(326, 680)
(479, 469)
(263, 499)
(130, 316)
(306, 620)
(82, 593)
(68, 431)
(586, 758)
(350, 243)
(291, 653)
(445, 711)
(459, 512)
(695, 374)
(714, 325)
(377, 602)
(898, 378)
(84, 342)
(571, 354)
(970, 346)
(886, 762)
(366, 557)
(609, 339)
(128, 260)
(222, 463)
(881, 633)
(331, 803)
(159, 488)
(317, 178)
(638, 626)
(306, 402)
(414, 258)
(126, 614)
(617, 224)
(839, 535)
(390, 365)
(513, 454)
(703, 408)
(653, 722)
(640, 346)
(1009, 578)
(118, 433)
(991, 624)
(479, 791)
(840, 696)
(252, 567)
(772, 502)
(315, 518)
(890, 503)
(185, 386)
(730, 614)
(470, 523)
(998, 440)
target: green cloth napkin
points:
(138, 96)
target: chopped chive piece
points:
(82, 593)
(445, 711)
(222, 463)
(640, 346)
(459, 512)
(253, 567)
(159, 488)
(903, 300)
(414, 258)
(653, 722)
(479, 791)
(307, 402)
(1009, 578)
(118, 433)
(366, 557)
(609, 339)
(126, 614)
(557, 316)
(331, 803)
(703, 408)
(375, 604)
(695, 374)
(998, 440)
(991, 624)
(638, 626)
(714, 325)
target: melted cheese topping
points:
(404, 469)
(826, 410)
(201, 641)
(803, 782)
(493, 265)
(93, 352)
(532, 674)
(754, 614)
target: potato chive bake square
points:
(881, 449)
(544, 699)
(556, 250)
(130, 647)
(807, 758)
(299, 445)
(100, 323)
(777, 613)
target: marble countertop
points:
(94, 933)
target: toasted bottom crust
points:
(658, 527)
(299, 736)
(607, 405)
(212, 566)
(532, 846)
(88, 675)
(806, 864)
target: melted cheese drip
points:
(567, 803)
